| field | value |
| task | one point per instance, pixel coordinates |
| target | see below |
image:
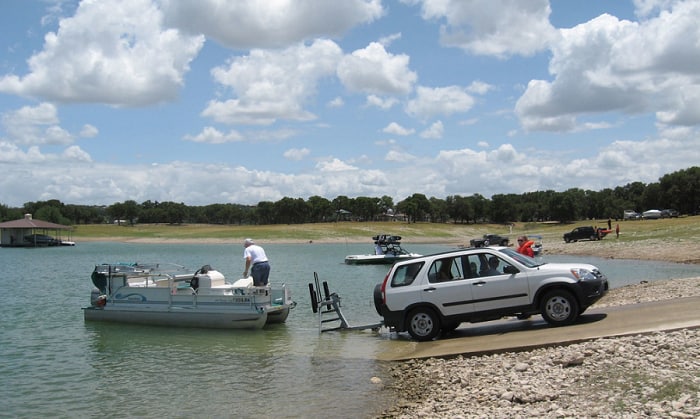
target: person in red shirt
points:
(525, 246)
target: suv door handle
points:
(480, 283)
(430, 289)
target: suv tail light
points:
(383, 289)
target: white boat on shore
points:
(387, 250)
(170, 295)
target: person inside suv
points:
(492, 267)
(445, 272)
(441, 270)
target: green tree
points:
(416, 207)
(438, 210)
(290, 211)
(264, 213)
(320, 209)
(481, 207)
(366, 209)
(681, 190)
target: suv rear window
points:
(406, 274)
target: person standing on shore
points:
(256, 263)
(525, 246)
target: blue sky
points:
(213, 101)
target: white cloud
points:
(373, 70)
(89, 131)
(268, 23)
(396, 129)
(212, 135)
(75, 153)
(479, 87)
(684, 107)
(334, 165)
(35, 126)
(446, 101)
(597, 68)
(399, 156)
(296, 154)
(492, 27)
(381, 103)
(272, 85)
(461, 171)
(646, 7)
(111, 51)
(37, 162)
(128, 53)
(435, 131)
(337, 102)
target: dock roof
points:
(31, 223)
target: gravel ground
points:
(651, 375)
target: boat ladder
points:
(328, 308)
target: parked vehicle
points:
(489, 240)
(432, 294)
(669, 213)
(651, 214)
(631, 215)
(585, 233)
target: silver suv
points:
(435, 293)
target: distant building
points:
(28, 232)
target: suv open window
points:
(406, 274)
(487, 264)
(443, 270)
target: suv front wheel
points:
(559, 308)
(423, 324)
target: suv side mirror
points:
(510, 269)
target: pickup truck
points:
(489, 240)
(585, 233)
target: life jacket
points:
(526, 248)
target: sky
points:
(215, 101)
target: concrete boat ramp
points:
(519, 335)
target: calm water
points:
(55, 363)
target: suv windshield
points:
(525, 260)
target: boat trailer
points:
(328, 308)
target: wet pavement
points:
(518, 335)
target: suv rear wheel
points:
(559, 308)
(423, 324)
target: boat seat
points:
(211, 279)
(244, 282)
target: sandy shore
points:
(666, 250)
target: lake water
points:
(53, 363)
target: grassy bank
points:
(675, 229)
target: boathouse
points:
(28, 232)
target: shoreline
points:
(609, 248)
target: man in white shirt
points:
(256, 263)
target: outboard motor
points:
(99, 280)
(97, 299)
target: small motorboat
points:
(171, 295)
(387, 250)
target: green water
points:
(52, 362)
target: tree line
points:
(678, 190)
